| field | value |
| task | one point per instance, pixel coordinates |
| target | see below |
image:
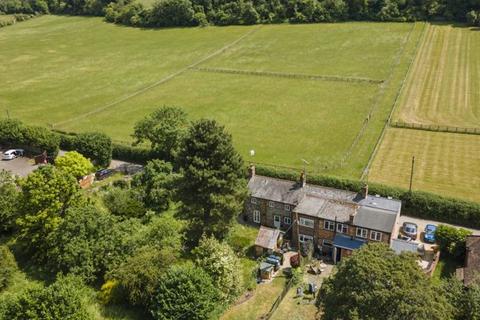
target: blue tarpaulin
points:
(346, 242)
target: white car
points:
(12, 154)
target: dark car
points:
(103, 174)
(429, 235)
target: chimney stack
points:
(303, 178)
(251, 171)
(364, 191)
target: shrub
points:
(221, 263)
(111, 292)
(35, 140)
(75, 164)
(131, 154)
(452, 240)
(126, 203)
(8, 266)
(140, 273)
(184, 292)
(95, 146)
(64, 299)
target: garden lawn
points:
(443, 85)
(445, 163)
(259, 304)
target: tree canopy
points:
(64, 299)
(46, 195)
(164, 130)
(184, 292)
(221, 263)
(74, 163)
(157, 180)
(9, 196)
(212, 187)
(376, 283)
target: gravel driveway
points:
(20, 166)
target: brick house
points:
(336, 221)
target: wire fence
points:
(436, 128)
(289, 75)
(278, 300)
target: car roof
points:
(10, 150)
(430, 226)
(409, 224)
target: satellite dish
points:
(252, 152)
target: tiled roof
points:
(472, 262)
(267, 238)
(373, 218)
(275, 189)
(373, 212)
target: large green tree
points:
(376, 283)
(157, 180)
(9, 199)
(8, 266)
(221, 263)
(46, 195)
(88, 242)
(212, 188)
(74, 163)
(164, 130)
(161, 246)
(184, 293)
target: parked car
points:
(410, 229)
(103, 174)
(429, 235)
(12, 154)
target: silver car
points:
(12, 154)
(410, 229)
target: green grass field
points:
(443, 85)
(445, 163)
(81, 74)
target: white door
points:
(276, 221)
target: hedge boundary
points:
(419, 204)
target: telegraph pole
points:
(411, 173)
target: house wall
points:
(267, 213)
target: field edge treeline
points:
(183, 13)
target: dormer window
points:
(287, 207)
(271, 204)
(253, 200)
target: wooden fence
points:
(436, 128)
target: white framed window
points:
(271, 204)
(362, 233)
(253, 200)
(374, 235)
(328, 225)
(307, 222)
(287, 220)
(256, 216)
(304, 238)
(342, 228)
(287, 207)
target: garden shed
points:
(268, 240)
